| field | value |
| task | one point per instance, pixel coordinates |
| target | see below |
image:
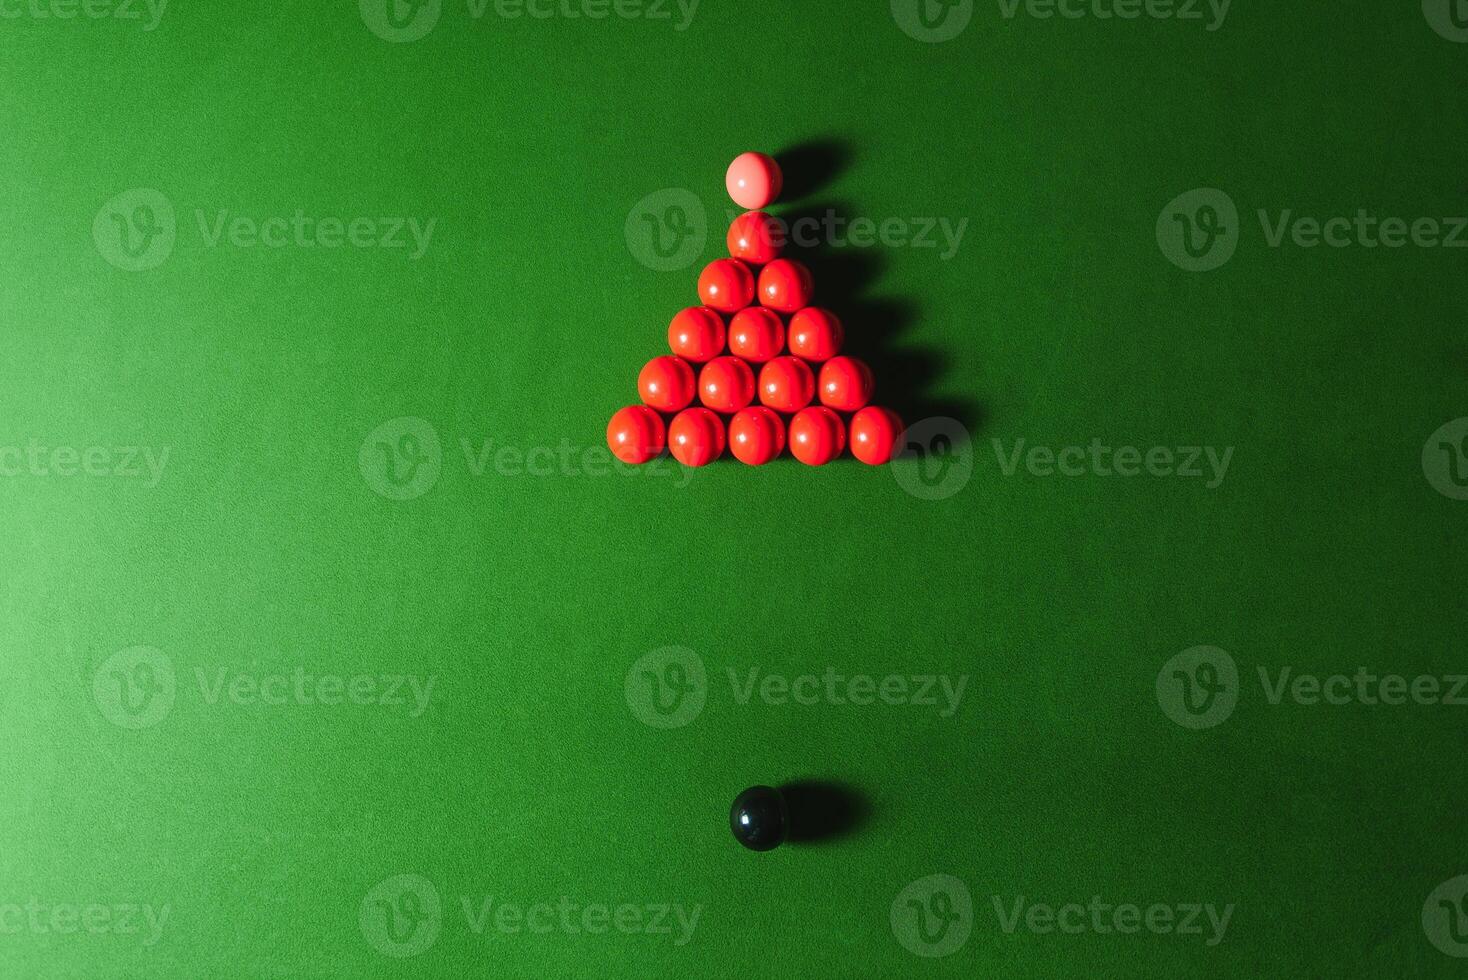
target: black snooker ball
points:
(759, 818)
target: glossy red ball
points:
(727, 285)
(667, 384)
(756, 237)
(696, 437)
(756, 435)
(635, 434)
(816, 334)
(756, 334)
(697, 334)
(726, 384)
(786, 384)
(845, 384)
(874, 434)
(785, 285)
(817, 435)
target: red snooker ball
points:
(874, 434)
(816, 334)
(667, 384)
(696, 437)
(754, 180)
(697, 334)
(757, 238)
(726, 384)
(727, 285)
(786, 384)
(845, 384)
(635, 434)
(756, 334)
(817, 435)
(756, 435)
(785, 285)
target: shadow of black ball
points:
(823, 811)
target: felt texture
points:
(529, 580)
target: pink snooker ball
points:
(754, 181)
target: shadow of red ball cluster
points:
(757, 369)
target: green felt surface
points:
(265, 831)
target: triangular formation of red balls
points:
(756, 367)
